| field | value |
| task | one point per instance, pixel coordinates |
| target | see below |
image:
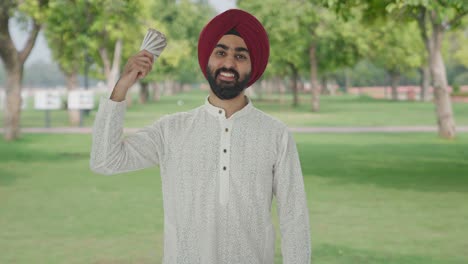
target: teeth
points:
(227, 74)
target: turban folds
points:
(249, 29)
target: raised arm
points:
(136, 68)
(112, 153)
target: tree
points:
(181, 22)
(287, 42)
(396, 48)
(460, 49)
(306, 37)
(456, 54)
(112, 23)
(339, 45)
(67, 34)
(434, 19)
(33, 13)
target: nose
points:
(229, 62)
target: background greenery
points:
(345, 110)
(373, 198)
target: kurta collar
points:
(219, 112)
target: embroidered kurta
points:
(218, 177)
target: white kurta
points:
(218, 179)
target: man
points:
(220, 163)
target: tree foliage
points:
(67, 33)
(434, 18)
(396, 47)
(183, 21)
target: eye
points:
(241, 57)
(220, 53)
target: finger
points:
(143, 65)
(147, 54)
(135, 71)
(142, 69)
(143, 74)
(144, 60)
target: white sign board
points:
(47, 100)
(82, 99)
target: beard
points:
(226, 90)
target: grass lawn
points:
(345, 110)
(373, 198)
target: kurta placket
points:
(225, 157)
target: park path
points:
(352, 129)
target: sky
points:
(41, 51)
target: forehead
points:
(232, 41)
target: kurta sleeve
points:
(112, 153)
(288, 188)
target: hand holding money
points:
(154, 42)
(139, 65)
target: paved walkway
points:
(379, 129)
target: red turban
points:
(249, 29)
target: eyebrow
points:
(238, 49)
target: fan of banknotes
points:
(154, 42)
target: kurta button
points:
(220, 111)
(227, 130)
(224, 168)
(225, 150)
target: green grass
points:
(373, 198)
(335, 111)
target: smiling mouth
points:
(227, 75)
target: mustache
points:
(218, 71)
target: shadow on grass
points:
(26, 155)
(22, 157)
(327, 253)
(33, 149)
(416, 166)
(7, 177)
(333, 104)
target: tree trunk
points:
(314, 79)
(445, 120)
(72, 84)
(156, 92)
(12, 113)
(324, 86)
(168, 87)
(425, 82)
(300, 85)
(347, 77)
(13, 62)
(111, 71)
(394, 82)
(275, 86)
(442, 101)
(270, 86)
(425, 69)
(282, 90)
(178, 86)
(294, 77)
(261, 89)
(144, 92)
